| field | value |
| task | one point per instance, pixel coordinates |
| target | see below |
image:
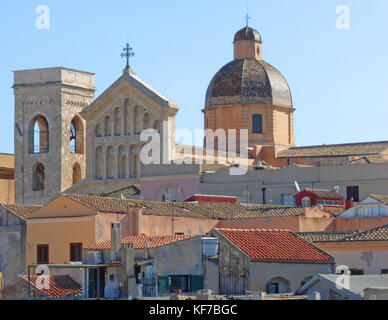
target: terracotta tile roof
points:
(139, 242)
(203, 210)
(325, 194)
(131, 190)
(381, 198)
(326, 236)
(335, 211)
(103, 204)
(335, 150)
(377, 234)
(59, 286)
(22, 210)
(275, 246)
(221, 211)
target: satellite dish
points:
(297, 187)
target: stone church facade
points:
(65, 141)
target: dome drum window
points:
(257, 124)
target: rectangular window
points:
(75, 252)
(257, 124)
(353, 193)
(164, 284)
(43, 254)
(384, 271)
(288, 200)
(174, 283)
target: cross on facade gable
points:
(127, 53)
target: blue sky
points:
(338, 78)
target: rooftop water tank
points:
(209, 247)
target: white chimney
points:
(115, 251)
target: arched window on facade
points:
(157, 125)
(107, 126)
(122, 162)
(137, 122)
(38, 177)
(257, 124)
(99, 163)
(134, 167)
(110, 163)
(146, 121)
(76, 173)
(278, 285)
(117, 120)
(77, 136)
(39, 135)
(127, 119)
(98, 130)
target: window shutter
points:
(164, 286)
(196, 283)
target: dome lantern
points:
(247, 44)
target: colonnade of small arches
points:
(112, 162)
(126, 120)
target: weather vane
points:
(127, 53)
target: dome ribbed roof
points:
(248, 81)
(247, 33)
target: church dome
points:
(248, 81)
(247, 33)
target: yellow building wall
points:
(7, 180)
(58, 233)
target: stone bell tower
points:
(49, 133)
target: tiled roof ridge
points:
(253, 230)
(106, 245)
(12, 207)
(69, 195)
(328, 232)
(340, 145)
(81, 199)
(326, 236)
